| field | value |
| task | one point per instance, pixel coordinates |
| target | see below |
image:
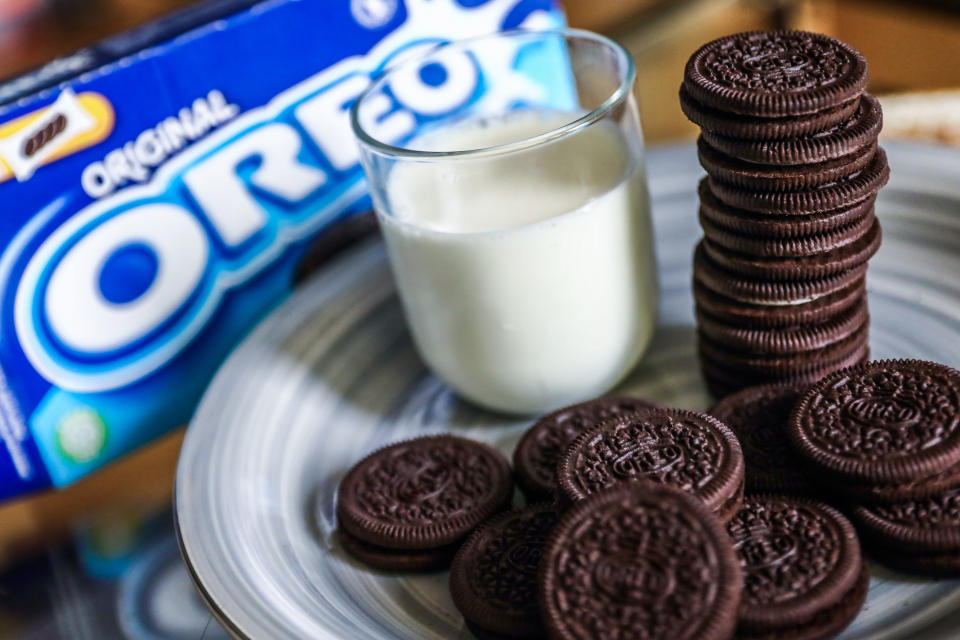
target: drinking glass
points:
(507, 173)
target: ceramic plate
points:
(332, 375)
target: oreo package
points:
(160, 190)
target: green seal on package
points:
(81, 435)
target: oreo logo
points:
(765, 549)
(648, 458)
(891, 412)
(634, 578)
(424, 483)
(524, 555)
(210, 220)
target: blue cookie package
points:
(160, 190)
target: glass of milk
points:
(507, 173)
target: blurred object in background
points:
(33, 32)
(930, 116)
(911, 47)
(13, 11)
(144, 479)
(123, 578)
(609, 15)
(17, 18)
(661, 40)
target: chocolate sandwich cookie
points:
(536, 456)
(768, 292)
(917, 536)
(758, 416)
(406, 560)
(784, 340)
(789, 364)
(841, 140)
(685, 449)
(742, 314)
(883, 431)
(639, 561)
(770, 177)
(759, 247)
(775, 73)
(805, 268)
(758, 128)
(493, 578)
(803, 574)
(424, 493)
(722, 380)
(855, 188)
(785, 225)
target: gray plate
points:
(332, 375)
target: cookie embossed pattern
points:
(769, 74)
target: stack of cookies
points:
(885, 438)
(789, 143)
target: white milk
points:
(528, 279)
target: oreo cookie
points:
(493, 578)
(775, 73)
(883, 431)
(797, 247)
(764, 177)
(639, 561)
(405, 560)
(684, 449)
(784, 340)
(422, 494)
(758, 416)
(721, 380)
(841, 140)
(855, 188)
(769, 292)
(916, 536)
(745, 315)
(815, 267)
(779, 225)
(803, 575)
(783, 364)
(759, 128)
(536, 456)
